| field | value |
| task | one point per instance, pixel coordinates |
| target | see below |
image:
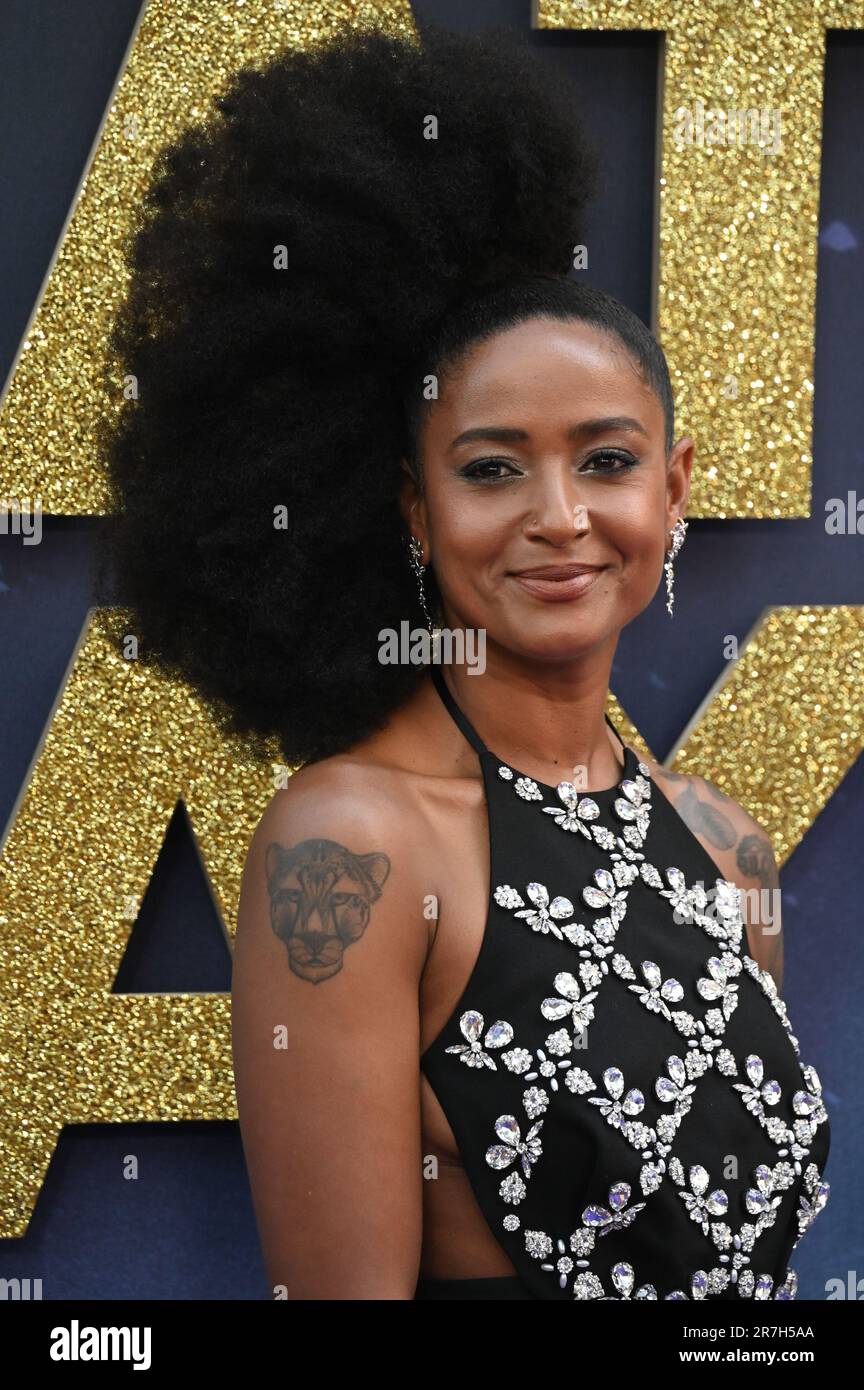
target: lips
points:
(558, 583)
(556, 571)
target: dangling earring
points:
(415, 555)
(678, 532)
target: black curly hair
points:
(301, 256)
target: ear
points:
(377, 866)
(273, 861)
(411, 504)
(678, 472)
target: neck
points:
(549, 722)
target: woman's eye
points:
(610, 456)
(484, 470)
(605, 461)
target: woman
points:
(500, 1030)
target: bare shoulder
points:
(338, 837)
(742, 850)
(363, 788)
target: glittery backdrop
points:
(124, 745)
(736, 243)
(181, 56)
(735, 297)
(735, 288)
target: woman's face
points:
(544, 449)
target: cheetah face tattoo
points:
(320, 897)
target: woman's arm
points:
(331, 942)
(742, 850)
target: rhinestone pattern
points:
(663, 1169)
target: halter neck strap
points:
(467, 727)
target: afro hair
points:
(295, 250)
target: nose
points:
(556, 511)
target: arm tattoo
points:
(705, 820)
(320, 896)
(755, 858)
(672, 776)
(715, 791)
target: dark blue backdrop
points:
(186, 1229)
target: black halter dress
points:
(619, 1074)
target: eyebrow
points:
(508, 434)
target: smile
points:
(558, 590)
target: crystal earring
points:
(678, 533)
(415, 555)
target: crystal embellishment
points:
(644, 1115)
